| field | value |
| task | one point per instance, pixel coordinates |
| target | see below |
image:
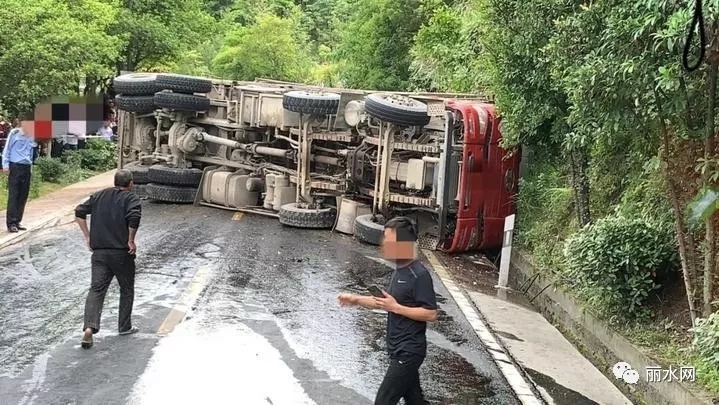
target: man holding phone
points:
(410, 303)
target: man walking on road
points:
(410, 303)
(116, 213)
(17, 160)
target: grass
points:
(672, 346)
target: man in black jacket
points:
(116, 213)
(410, 303)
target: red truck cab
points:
(488, 180)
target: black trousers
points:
(402, 381)
(18, 190)
(106, 264)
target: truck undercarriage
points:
(321, 158)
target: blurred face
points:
(27, 128)
(396, 250)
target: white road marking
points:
(514, 377)
(35, 382)
(227, 365)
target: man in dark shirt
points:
(410, 303)
(116, 213)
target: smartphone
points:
(374, 290)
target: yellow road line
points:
(187, 300)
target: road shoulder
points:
(521, 386)
(540, 364)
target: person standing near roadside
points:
(106, 131)
(410, 303)
(4, 131)
(115, 216)
(17, 159)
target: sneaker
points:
(21, 228)
(86, 342)
(13, 229)
(130, 331)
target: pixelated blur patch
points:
(42, 129)
(95, 109)
(77, 110)
(43, 112)
(94, 126)
(77, 127)
(60, 109)
(28, 127)
(79, 115)
(60, 128)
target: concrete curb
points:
(525, 390)
(599, 343)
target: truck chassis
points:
(322, 158)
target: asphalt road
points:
(265, 327)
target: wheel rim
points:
(402, 101)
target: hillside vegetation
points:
(617, 204)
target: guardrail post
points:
(506, 252)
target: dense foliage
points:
(595, 93)
(617, 262)
(97, 156)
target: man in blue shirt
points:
(17, 159)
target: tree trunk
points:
(686, 246)
(687, 252)
(710, 231)
(580, 183)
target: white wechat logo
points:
(624, 371)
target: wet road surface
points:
(265, 328)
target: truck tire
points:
(136, 104)
(305, 102)
(140, 191)
(171, 194)
(368, 231)
(136, 84)
(396, 109)
(294, 216)
(139, 174)
(173, 176)
(184, 84)
(181, 102)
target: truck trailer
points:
(322, 158)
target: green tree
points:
(48, 48)
(624, 79)
(156, 32)
(444, 53)
(513, 34)
(274, 47)
(375, 41)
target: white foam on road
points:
(227, 365)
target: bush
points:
(50, 170)
(98, 155)
(545, 213)
(706, 338)
(617, 262)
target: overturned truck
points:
(321, 158)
